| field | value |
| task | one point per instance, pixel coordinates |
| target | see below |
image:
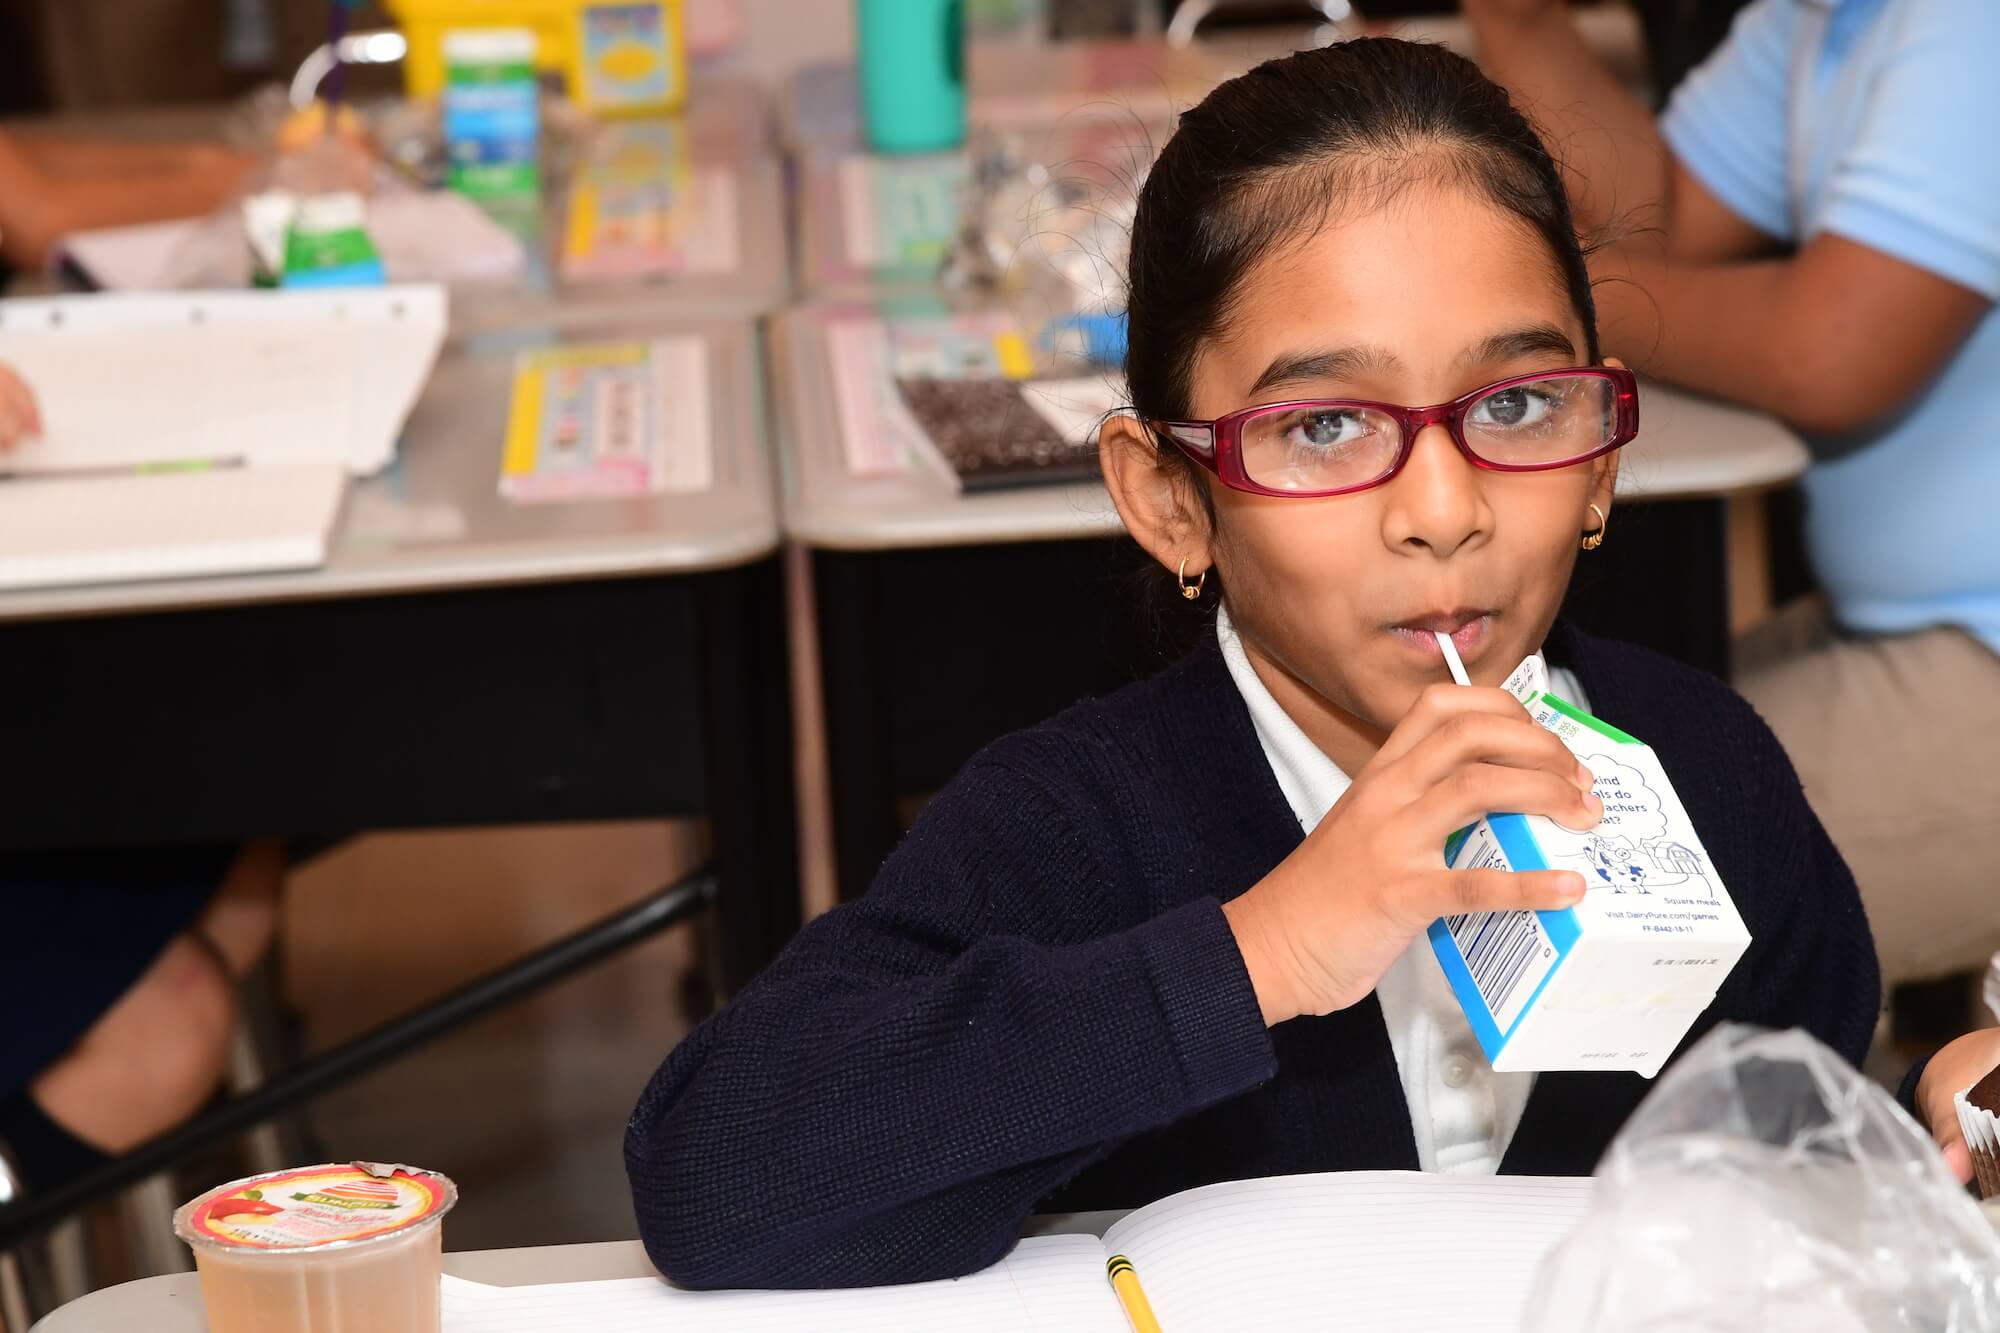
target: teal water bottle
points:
(912, 73)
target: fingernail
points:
(1584, 777)
(1592, 804)
(1569, 886)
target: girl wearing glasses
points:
(1176, 935)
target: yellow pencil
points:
(1131, 1295)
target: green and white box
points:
(1616, 981)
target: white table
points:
(172, 1304)
(729, 175)
(436, 520)
(734, 189)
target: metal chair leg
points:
(148, 1210)
(68, 1262)
(14, 1309)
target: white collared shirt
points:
(1463, 1113)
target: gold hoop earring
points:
(1593, 540)
(1192, 590)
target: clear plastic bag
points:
(1765, 1186)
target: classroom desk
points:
(460, 660)
(946, 620)
(720, 242)
(172, 1304)
(725, 218)
(870, 224)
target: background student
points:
(1823, 199)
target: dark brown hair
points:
(1265, 156)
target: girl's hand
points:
(1951, 1071)
(19, 418)
(1319, 931)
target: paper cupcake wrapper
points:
(1982, 1136)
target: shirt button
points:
(1457, 1071)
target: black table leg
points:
(747, 733)
(852, 636)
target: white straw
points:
(1451, 658)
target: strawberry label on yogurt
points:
(314, 1206)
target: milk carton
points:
(1616, 981)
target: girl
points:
(1175, 936)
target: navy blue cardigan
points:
(1039, 1005)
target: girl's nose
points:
(1436, 505)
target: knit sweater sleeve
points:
(890, 1099)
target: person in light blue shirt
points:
(1813, 228)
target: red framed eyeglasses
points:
(1335, 446)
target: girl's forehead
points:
(1418, 283)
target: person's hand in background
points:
(1951, 1071)
(20, 419)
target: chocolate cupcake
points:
(1979, 1116)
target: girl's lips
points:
(1421, 639)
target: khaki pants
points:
(1897, 741)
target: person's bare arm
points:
(64, 157)
(38, 209)
(1623, 181)
(1831, 339)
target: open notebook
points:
(1358, 1252)
(60, 531)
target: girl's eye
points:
(1512, 409)
(1327, 428)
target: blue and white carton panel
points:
(1616, 981)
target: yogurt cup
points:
(321, 1249)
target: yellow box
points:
(613, 55)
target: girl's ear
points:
(1159, 503)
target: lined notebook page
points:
(1387, 1251)
(1049, 1284)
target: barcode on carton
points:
(1507, 953)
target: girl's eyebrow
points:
(1516, 344)
(1344, 362)
(1333, 363)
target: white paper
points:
(1048, 1283)
(1363, 1252)
(422, 236)
(440, 236)
(263, 377)
(117, 529)
(126, 259)
(878, 435)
